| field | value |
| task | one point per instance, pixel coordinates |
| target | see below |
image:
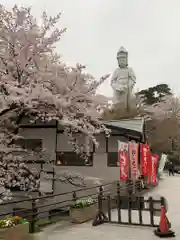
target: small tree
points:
(154, 94)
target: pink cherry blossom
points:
(35, 83)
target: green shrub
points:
(82, 203)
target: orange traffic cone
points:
(163, 230)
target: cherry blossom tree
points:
(168, 107)
(164, 124)
(35, 83)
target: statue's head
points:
(122, 57)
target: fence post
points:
(100, 198)
(130, 187)
(129, 201)
(34, 217)
(151, 208)
(140, 207)
(109, 207)
(130, 209)
(100, 217)
(14, 213)
(119, 202)
(74, 196)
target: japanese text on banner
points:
(123, 160)
(144, 150)
(154, 179)
(133, 155)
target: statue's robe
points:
(122, 82)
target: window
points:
(112, 159)
(30, 144)
(72, 159)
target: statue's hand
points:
(113, 84)
(113, 80)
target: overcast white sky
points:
(148, 29)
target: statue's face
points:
(122, 60)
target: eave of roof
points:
(134, 124)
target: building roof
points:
(134, 125)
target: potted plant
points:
(83, 210)
(14, 228)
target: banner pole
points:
(129, 173)
(131, 180)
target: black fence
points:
(43, 210)
(134, 205)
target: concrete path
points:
(169, 188)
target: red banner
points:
(145, 152)
(133, 157)
(152, 175)
(154, 169)
(149, 168)
(123, 160)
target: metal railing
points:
(138, 203)
(50, 206)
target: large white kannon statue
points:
(123, 78)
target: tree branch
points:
(12, 107)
